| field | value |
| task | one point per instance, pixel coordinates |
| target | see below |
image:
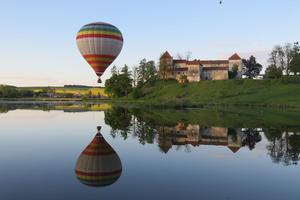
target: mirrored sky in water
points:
(40, 152)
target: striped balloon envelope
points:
(99, 43)
(98, 165)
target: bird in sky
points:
(220, 2)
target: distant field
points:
(70, 90)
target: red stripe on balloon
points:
(98, 173)
(98, 153)
(98, 56)
(99, 36)
(98, 141)
(90, 147)
(99, 69)
(99, 62)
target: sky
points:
(38, 46)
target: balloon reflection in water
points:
(98, 165)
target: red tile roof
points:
(166, 55)
(193, 62)
(235, 57)
(180, 61)
(202, 62)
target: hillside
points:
(228, 92)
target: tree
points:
(183, 80)
(295, 64)
(251, 67)
(8, 91)
(146, 71)
(284, 146)
(114, 70)
(188, 55)
(125, 80)
(119, 119)
(134, 76)
(282, 56)
(250, 137)
(290, 51)
(179, 56)
(125, 70)
(142, 71)
(233, 72)
(119, 84)
(273, 72)
(111, 85)
(151, 71)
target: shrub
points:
(137, 93)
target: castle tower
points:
(167, 58)
(236, 60)
(165, 65)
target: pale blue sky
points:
(38, 39)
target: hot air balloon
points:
(98, 165)
(99, 43)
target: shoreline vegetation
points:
(280, 93)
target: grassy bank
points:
(266, 93)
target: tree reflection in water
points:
(283, 147)
(119, 120)
(251, 137)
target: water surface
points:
(55, 152)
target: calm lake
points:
(56, 152)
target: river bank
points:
(283, 94)
(241, 93)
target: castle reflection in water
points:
(194, 134)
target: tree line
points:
(7, 91)
(284, 60)
(125, 81)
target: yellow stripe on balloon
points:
(99, 59)
(98, 32)
(98, 177)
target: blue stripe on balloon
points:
(109, 27)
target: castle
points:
(197, 70)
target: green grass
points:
(274, 93)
